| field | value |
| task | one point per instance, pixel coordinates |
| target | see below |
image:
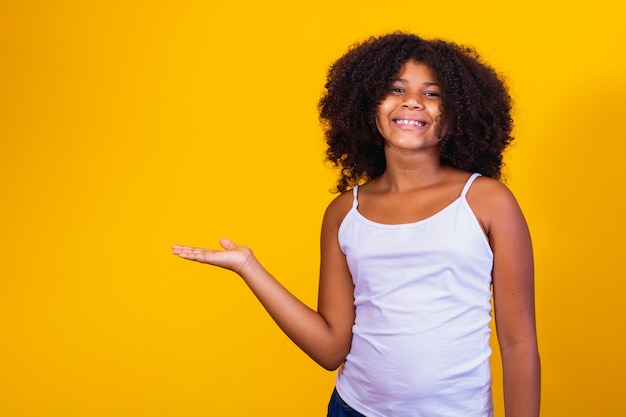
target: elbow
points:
(331, 361)
(527, 346)
(331, 365)
(521, 353)
(331, 353)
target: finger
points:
(227, 244)
(196, 254)
(176, 249)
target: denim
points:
(338, 408)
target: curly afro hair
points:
(475, 125)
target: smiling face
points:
(407, 117)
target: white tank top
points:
(420, 344)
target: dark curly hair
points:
(475, 124)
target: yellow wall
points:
(127, 126)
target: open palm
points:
(233, 257)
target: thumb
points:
(227, 244)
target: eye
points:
(397, 90)
(433, 94)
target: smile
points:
(409, 122)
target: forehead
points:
(416, 71)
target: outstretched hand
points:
(233, 257)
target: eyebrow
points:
(427, 84)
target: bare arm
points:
(325, 335)
(513, 285)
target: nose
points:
(413, 101)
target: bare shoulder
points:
(337, 209)
(489, 189)
(492, 202)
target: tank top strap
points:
(355, 201)
(468, 184)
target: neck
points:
(406, 172)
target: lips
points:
(409, 122)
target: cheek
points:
(384, 109)
(435, 108)
(435, 112)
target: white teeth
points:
(410, 122)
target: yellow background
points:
(127, 126)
